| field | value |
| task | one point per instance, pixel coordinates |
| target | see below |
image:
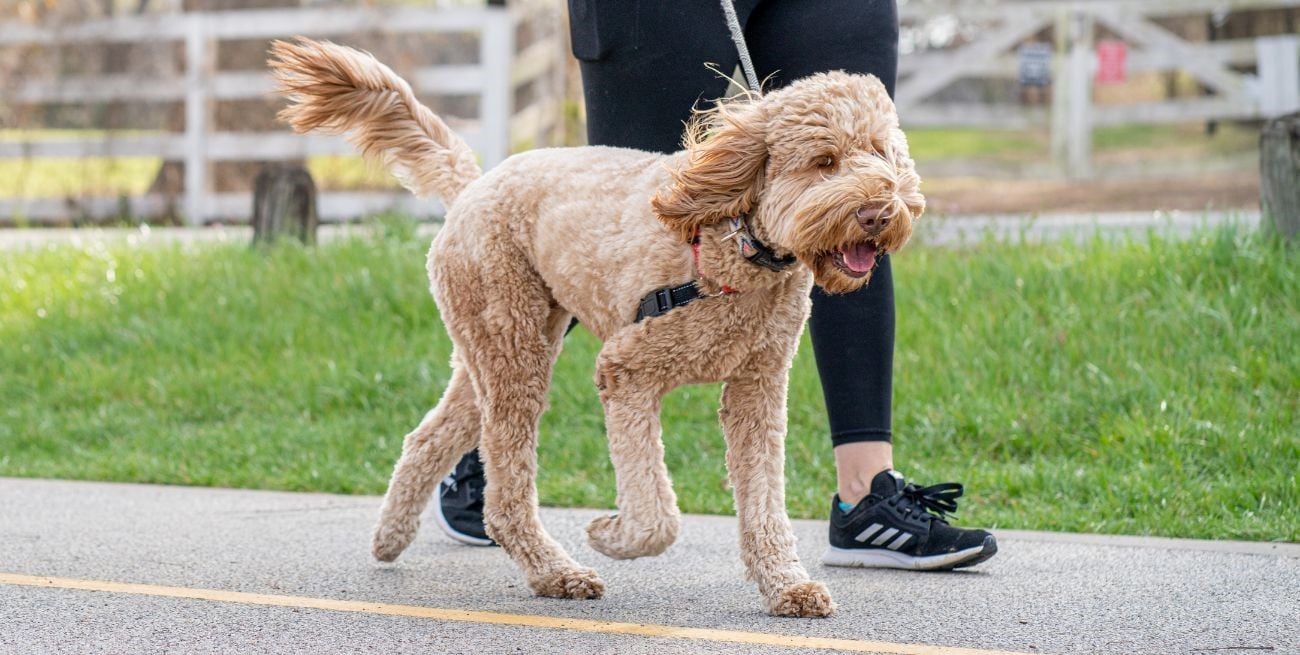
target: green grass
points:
(60, 177)
(1174, 141)
(933, 144)
(57, 177)
(1149, 387)
(1229, 138)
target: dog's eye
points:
(825, 161)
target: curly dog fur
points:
(820, 168)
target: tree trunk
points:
(1279, 175)
(284, 202)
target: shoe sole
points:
(455, 534)
(882, 558)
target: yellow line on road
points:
(497, 618)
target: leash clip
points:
(753, 250)
(737, 225)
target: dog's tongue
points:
(860, 258)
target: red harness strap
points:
(665, 299)
(695, 248)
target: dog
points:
(693, 267)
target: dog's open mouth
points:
(857, 260)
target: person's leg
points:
(852, 334)
(853, 341)
(876, 518)
(644, 68)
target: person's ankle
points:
(855, 487)
(856, 463)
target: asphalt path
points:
(117, 568)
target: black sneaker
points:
(460, 502)
(902, 526)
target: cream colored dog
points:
(819, 171)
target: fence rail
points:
(500, 69)
(1242, 78)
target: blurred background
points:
(159, 110)
(1093, 335)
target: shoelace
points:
(936, 501)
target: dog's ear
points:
(722, 173)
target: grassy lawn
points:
(1118, 141)
(58, 177)
(1143, 388)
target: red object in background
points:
(1112, 60)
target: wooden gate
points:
(996, 28)
(502, 67)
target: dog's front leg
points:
(648, 520)
(754, 422)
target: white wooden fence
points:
(1003, 24)
(500, 69)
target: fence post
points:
(557, 131)
(1279, 175)
(198, 69)
(496, 57)
(1079, 123)
(284, 202)
(1060, 89)
(1278, 60)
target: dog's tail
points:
(338, 90)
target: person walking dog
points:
(643, 72)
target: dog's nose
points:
(872, 219)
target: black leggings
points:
(643, 69)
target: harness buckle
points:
(656, 303)
(663, 299)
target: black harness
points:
(665, 299)
(661, 300)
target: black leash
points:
(665, 299)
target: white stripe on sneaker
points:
(884, 536)
(866, 534)
(902, 539)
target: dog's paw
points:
(808, 599)
(577, 583)
(620, 538)
(391, 539)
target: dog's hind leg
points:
(508, 333)
(648, 520)
(447, 432)
(754, 422)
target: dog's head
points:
(820, 167)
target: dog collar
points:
(753, 250)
